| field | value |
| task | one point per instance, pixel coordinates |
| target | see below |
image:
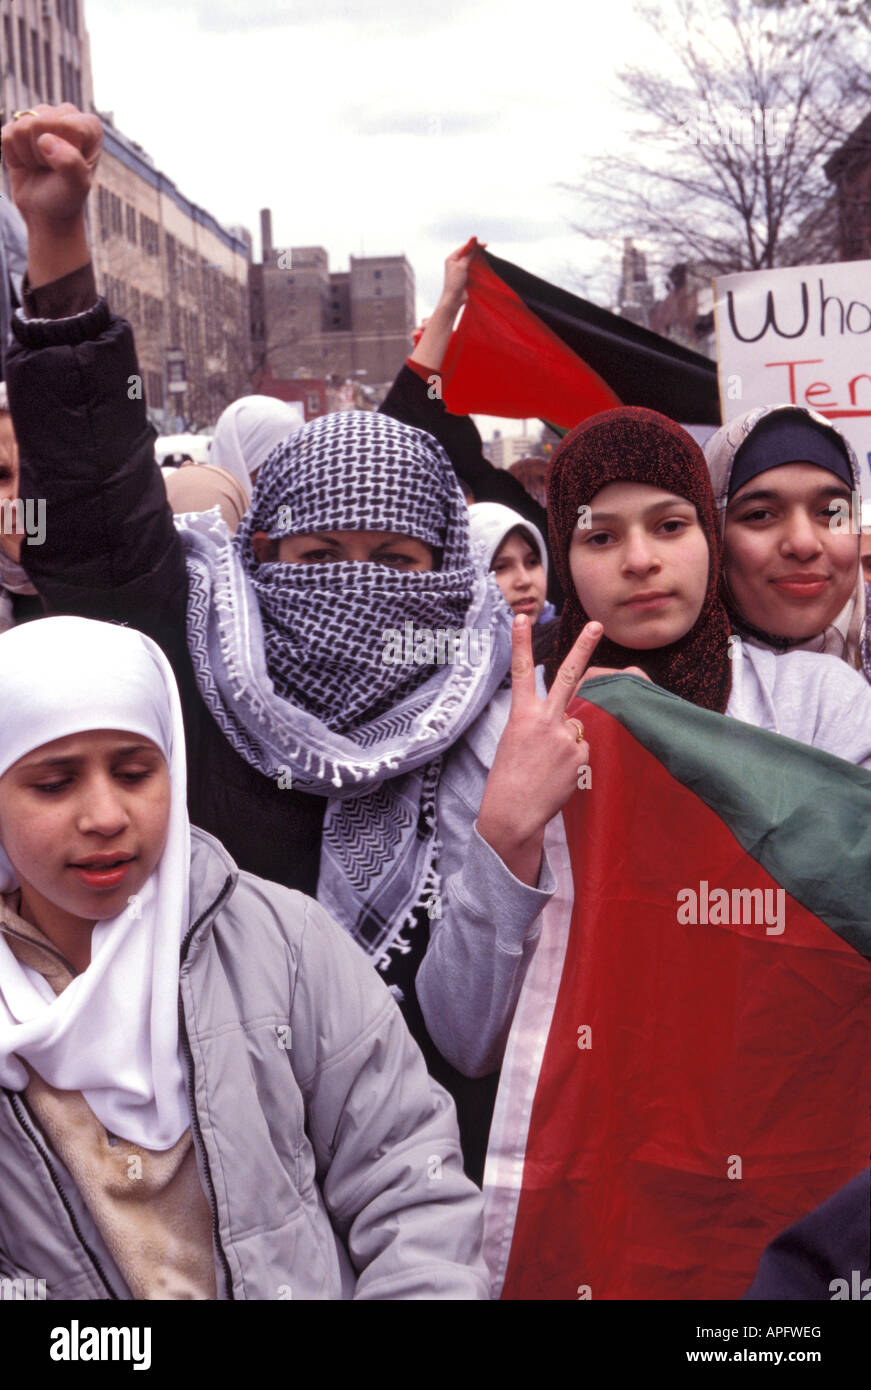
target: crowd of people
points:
(277, 975)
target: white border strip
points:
(503, 1171)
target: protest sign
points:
(799, 335)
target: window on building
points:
(116, 214)
(34, 53)
(377, 274)
(103, 205)
(154, 390)
(49, 74)
(77, 87)
(134, 305)
(22, 52)
(149, 235)
(131, 222)
(7, 41)
(67, 13)
(377, 289)
(153, 314)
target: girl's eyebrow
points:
(833, 489)
(647, 511)
(72, 759)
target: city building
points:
(179, 277)
(686, 313)
(849, 169)
(163, 262)
(635, 295)
(504, 450)
(348, 326)
(44, 55)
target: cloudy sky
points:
(380, 126)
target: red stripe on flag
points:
(709, 1044)
(502, 360)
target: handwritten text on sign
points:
(799, 335)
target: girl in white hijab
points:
(214, 1071)
(113, 1032)
(515, 550)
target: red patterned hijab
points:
(633, 445)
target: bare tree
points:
(726, 167)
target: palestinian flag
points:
(525, 349)
(689, 1067)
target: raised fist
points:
(51, 157)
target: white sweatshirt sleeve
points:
(818, 700)
(482, 943)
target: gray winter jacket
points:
(330, 1159)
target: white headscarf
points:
(247, 432)
(847, 635)
(113, 1032)
(489, 524)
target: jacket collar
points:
(214, 875)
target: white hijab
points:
(489, 524)
(113, 1032)
(247, 432)
(847, 634)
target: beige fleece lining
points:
(149, 1206)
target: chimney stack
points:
(266, 233)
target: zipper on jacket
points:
(6, 930)
(211, 1195)
(19, 1110)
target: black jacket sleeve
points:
(110, 549)
(409, 400)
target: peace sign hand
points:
(535, 768)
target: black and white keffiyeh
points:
(312, 671)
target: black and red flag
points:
(527, 349)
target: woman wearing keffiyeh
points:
(289, 653)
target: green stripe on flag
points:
(803, 814)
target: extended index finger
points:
(569, 674)
(522, 664)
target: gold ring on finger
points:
(16, 115)
(578, 725)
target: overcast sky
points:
(376, 127)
